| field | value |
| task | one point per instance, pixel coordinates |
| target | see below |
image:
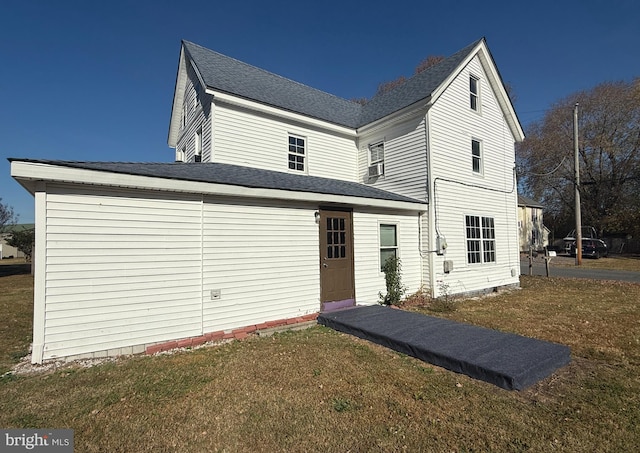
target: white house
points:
(533, 234)
(284, 201)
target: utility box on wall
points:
(448, 266)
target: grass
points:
(318, 390)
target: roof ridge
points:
(431, 69)
(244, 63)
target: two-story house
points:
(284, 201)
(533, 234)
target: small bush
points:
(392, 269)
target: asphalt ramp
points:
(510, 361)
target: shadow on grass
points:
(15, 269)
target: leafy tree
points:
(23, 240)
(609, 157)
(7, 216)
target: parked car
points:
(595, 248)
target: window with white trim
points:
(198, 152)
(476, 156)
(481, 239)
(388, 243)
(376, 159)
(297, 153)
(474, 93)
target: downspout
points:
(39, 270)
(431, 208)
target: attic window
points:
(297, 152)
(474, 92)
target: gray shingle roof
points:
(229, 75)
(524, 201)
(216, 173)
(241, 79)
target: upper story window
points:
(481, 239)
(376, 159)
(476, 156)
(474, 93)
(297, 153)
(183, 119)
(198, 146)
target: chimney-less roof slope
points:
(232, 76)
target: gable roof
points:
(233, 175)
(232, 76)
(524, 201)
(224, 74)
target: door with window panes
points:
(337, 281)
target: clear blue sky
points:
(94, 80)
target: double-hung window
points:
(476, 156)
(297, 153)
(388, 243)
(474, 93)
(481, 239)
(198, 146)
(376, 159)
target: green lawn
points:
(318, 390)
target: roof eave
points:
(495, 80)
(30, 174)
(178, 99)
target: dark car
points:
(595, 248)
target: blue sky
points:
(84, 80)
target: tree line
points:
(609, 160)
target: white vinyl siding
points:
(263, 259)
(368, 276)
(197, 118)
(405, 158)
(261, 141)
(452, 126)
(121, 270)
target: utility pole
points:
(576, 164)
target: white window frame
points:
(480, 238)
(293, 150)
(385, 247)
(474, 97)
(375, 153)
(197, 156)
(479, 158)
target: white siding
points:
(369, 279)
(405, 158)
(198, 116)
(458, 191)
(256, 140)
(121, 270)
(264, 261)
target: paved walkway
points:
(510, 361)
